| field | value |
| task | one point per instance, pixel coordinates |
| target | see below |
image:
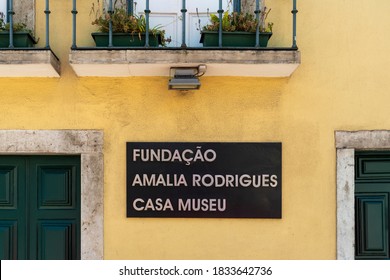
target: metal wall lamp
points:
(186, 78)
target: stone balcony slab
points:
(157, 62)
(28, 63)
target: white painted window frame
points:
(346, 144)
(89, 145)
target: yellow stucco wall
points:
(342, 83)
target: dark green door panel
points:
(55, 207)
(57, 240)
(372, 166)
(13, 220)
(8, 240)
(40, 207)
(372, 214)
(372, 232)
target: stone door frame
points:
(89, 145)
(346, 144)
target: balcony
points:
(18, 56)
(182, 22)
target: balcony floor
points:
(157, 62)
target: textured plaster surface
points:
(24, 12)
(250, 5)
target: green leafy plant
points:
(121, 21)
(240, 22)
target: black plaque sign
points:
(204, 180)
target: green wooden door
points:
(40, 207)
(372, 192)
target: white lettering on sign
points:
(152, 205)
(190, 204)
(197, 204)
(245, 180)
(165, 155)
(157, 180)
(206, 180)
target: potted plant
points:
(22, 36)
(127, 30)
(238, 30)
